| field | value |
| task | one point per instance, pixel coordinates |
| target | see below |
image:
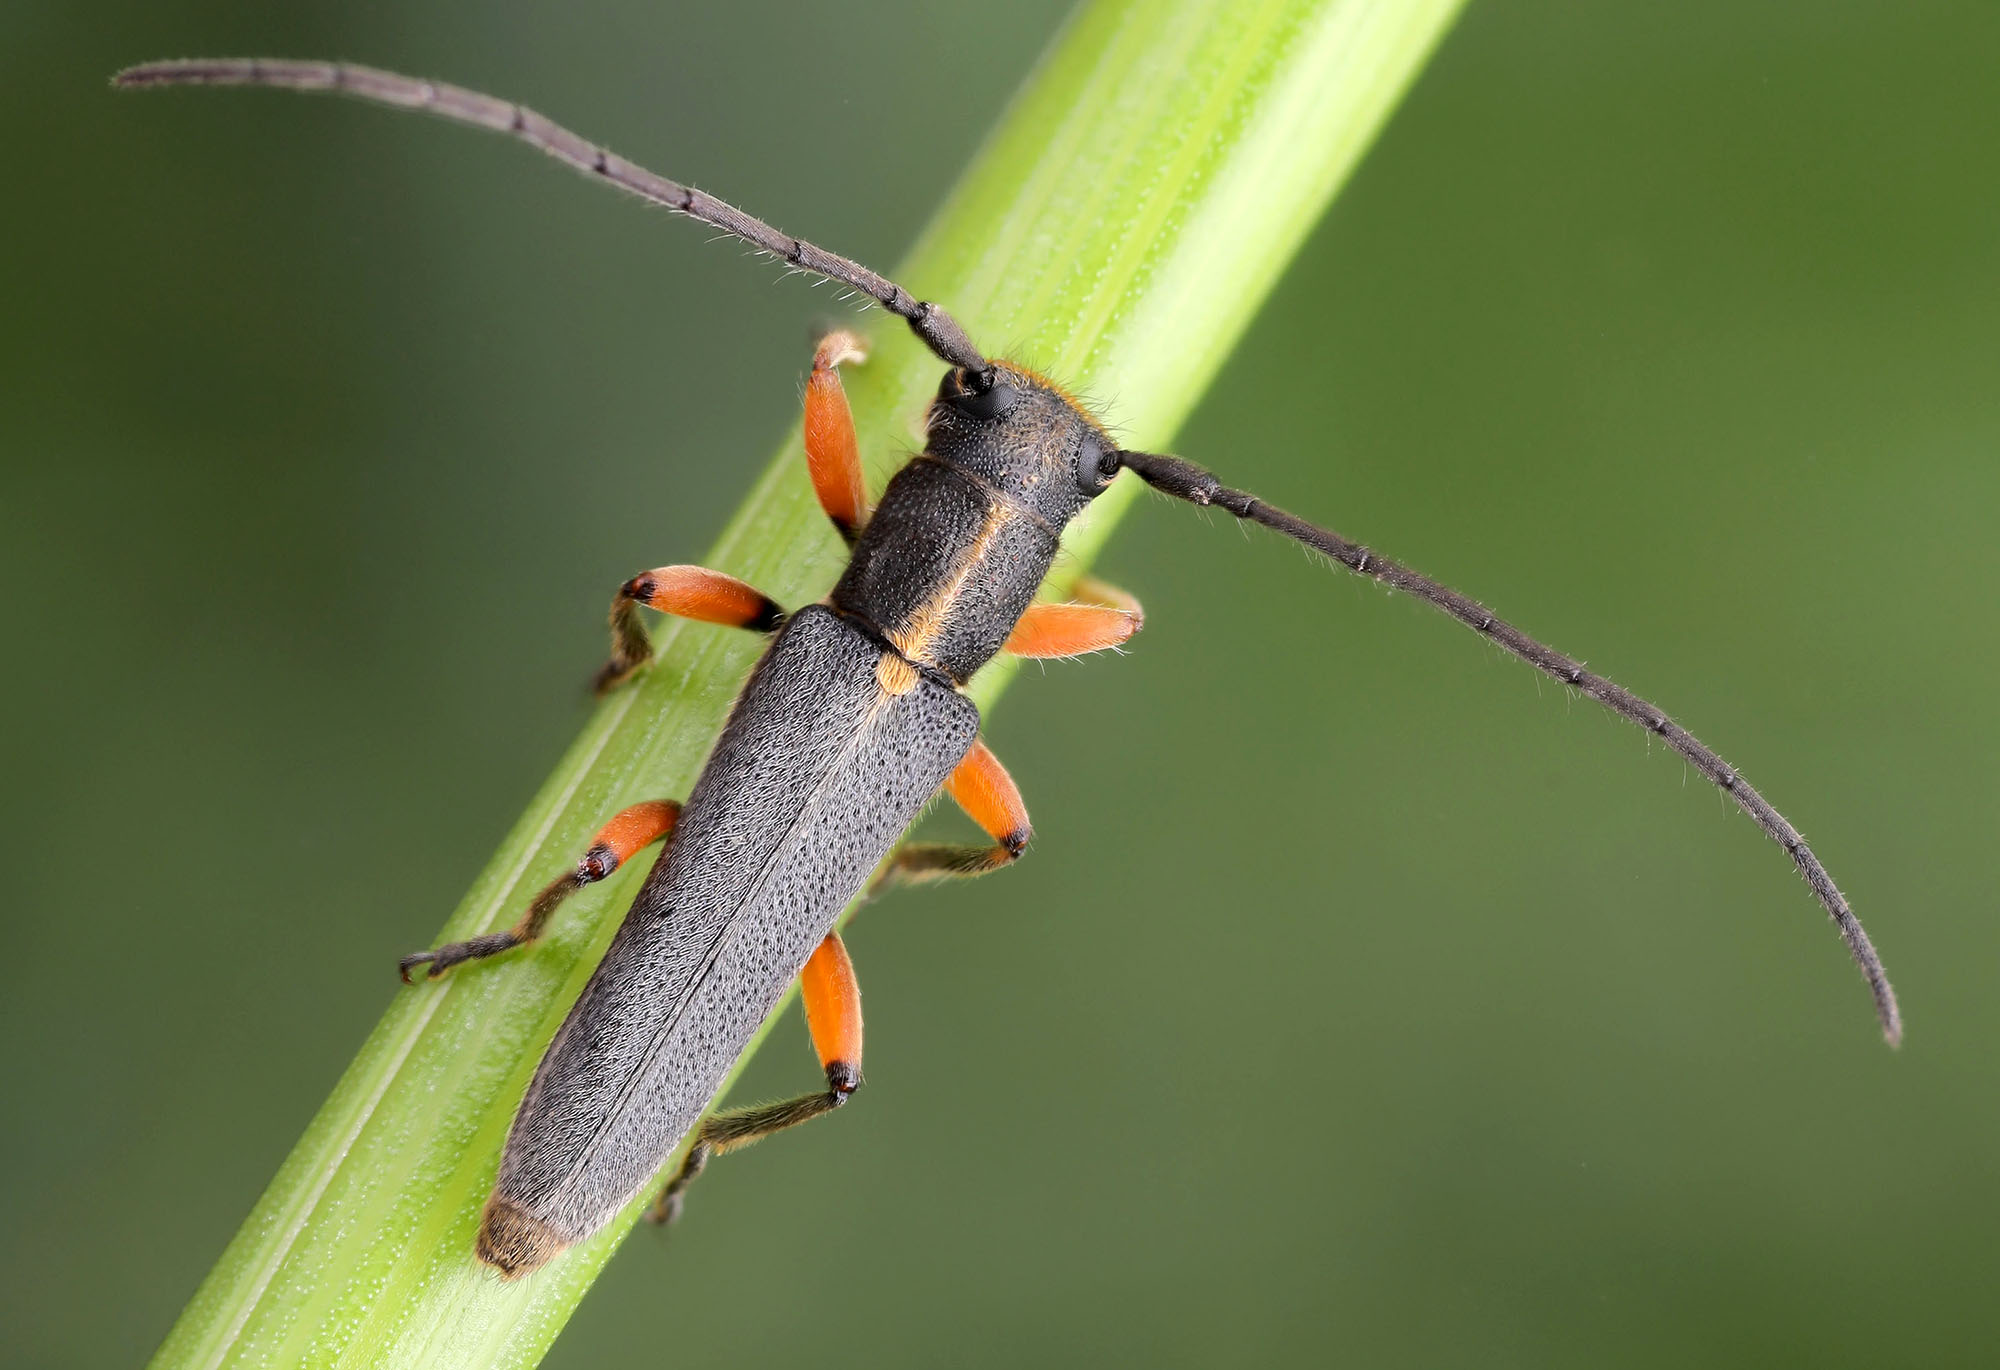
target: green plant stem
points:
(1129, 214)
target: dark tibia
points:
(629, 830)
(725, 1132)
(832, 999)
(455, 953)
(920, 863)
(1184, 480)
(981, 786)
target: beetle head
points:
(1024, 436)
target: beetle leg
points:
(690, 592)
(990, 798)
(832, 456)
(616, 842)
(833, 1016)
(1100, 616)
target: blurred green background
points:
(1363, 1000)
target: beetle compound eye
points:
(988, 404)
(977, 394)
(1096, 464)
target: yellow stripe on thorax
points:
(916, 638)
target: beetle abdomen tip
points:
(514, 1241)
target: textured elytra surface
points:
(817, 774)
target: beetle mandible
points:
(850, 723)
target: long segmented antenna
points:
(1184, 480)
(938, 330)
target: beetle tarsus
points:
(687, 592)
(629, 830)
(832, 999)
(443, 958)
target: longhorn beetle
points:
(849, 724)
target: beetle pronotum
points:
(850, 723)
